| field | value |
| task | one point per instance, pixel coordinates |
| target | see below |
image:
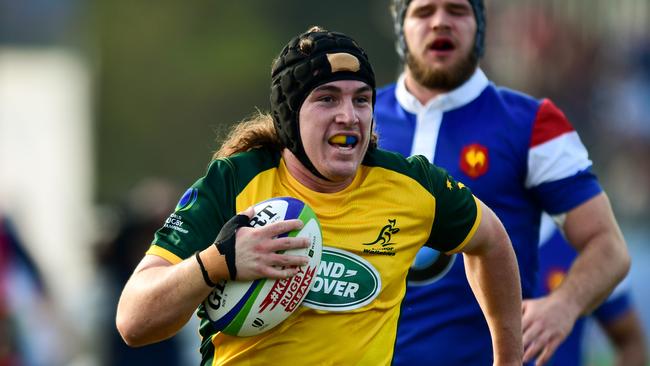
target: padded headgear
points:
(309, 60)
(398, 11)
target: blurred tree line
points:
(171, 77)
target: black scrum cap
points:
(309, 60)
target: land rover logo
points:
(344, 281)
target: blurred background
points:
(110, 109)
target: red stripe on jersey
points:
(550, 123)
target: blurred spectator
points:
(146, 206)
(621, 116)
(549, 56)
(29, 332)
(598, 76)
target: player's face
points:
(335, 127)
(440, 39)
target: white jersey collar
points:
(458, 97)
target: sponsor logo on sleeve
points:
(188, 199)
(175, 222)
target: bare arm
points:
(628, 338)
(601, 264)
(492, 271)
(160, 297)
(603, 260)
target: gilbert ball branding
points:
(247, 308)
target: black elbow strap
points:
(225, 241)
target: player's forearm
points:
(599, 267)
(157, 301)
(494, 278)
(492, 272)
(603, 259)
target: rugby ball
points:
(248, 308)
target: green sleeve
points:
(456, 215)
(200, 213)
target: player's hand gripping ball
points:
(248, 308)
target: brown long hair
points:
(254, 132)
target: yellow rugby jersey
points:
(371, 233)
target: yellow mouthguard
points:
(343, 140)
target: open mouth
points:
(344, 141)
(442, 44)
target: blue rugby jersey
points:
(555, 258)
(521, 156)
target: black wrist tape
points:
(225, 241)
(204, 272)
